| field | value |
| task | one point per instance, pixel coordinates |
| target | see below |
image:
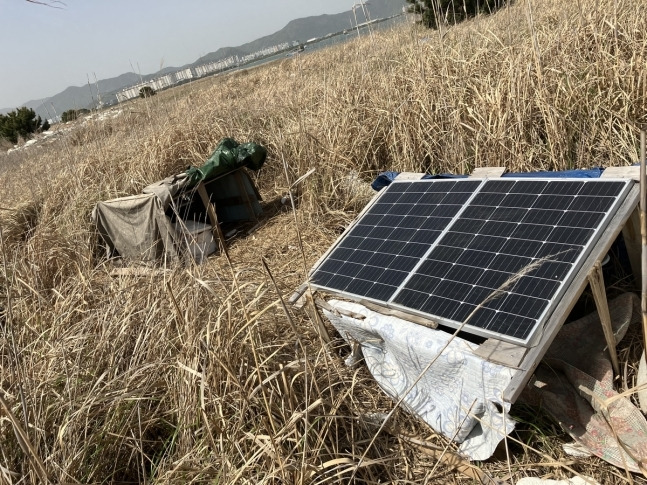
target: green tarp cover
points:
(229, 155)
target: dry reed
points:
(197, 374)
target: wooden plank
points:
(596, 281)
(410, 176)
(567, 302)
(633, 243)
(298, 293)
(631, 172)
(504, 353)
(324, 305)
(298, 298)
(425, 322)
(488, 172)
(313, 313)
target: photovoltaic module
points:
(493, 256)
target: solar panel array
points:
(494, 255)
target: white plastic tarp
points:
(460, 395)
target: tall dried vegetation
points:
(199, 374)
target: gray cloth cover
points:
(136, 227)
(168, 188)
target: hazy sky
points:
(44, 50)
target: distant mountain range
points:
(76, 97)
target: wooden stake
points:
(213, 217)
(643, 234)
(641, 376)
(596, 280)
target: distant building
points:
(184, 75)
(213, 67)
(129, 93)
(205, 69)
(268, 51)
(162, 82)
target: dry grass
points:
(197, 374)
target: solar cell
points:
(493, 256)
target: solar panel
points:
(379, 252)
(490, 256)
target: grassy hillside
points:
(198, 374)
